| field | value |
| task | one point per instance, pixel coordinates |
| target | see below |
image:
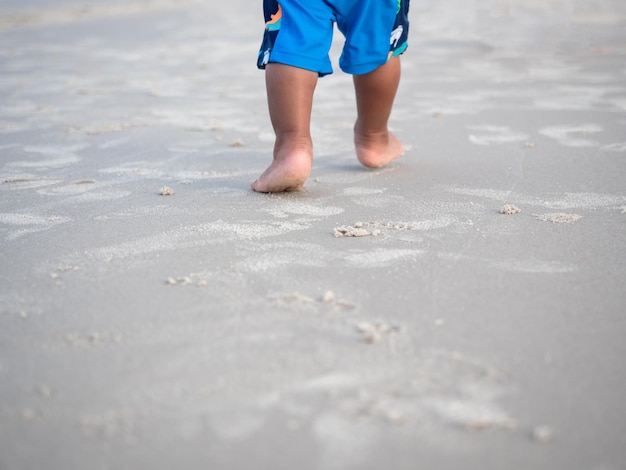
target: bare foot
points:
(375, 151)
(285, 174)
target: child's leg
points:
(375, 92)
(290, 99)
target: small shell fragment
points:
(350, 231)
(510, 209)
(166, 191)
(371, 333)
(328, 297)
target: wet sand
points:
(461, 308)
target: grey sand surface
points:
(218, 328)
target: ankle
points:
(288, 144)
(375, 149)
(370, 137)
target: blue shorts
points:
(299, 33)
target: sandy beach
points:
(462, 308)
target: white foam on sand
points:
(438, 222)
(23, 219)
(362, 191)
(495, 135)
(616, 147)
(381, 257)
(253, 230)
(142, 170)
(558, 201)
(98, 196)
(195, 236)
(470, 413)
(85, 191)
(66, 160)
(29, 223)
(52, 157)
(570, 97)
(276, 256)
(378, 201)
(573, 136)
(277, 260)
(394, 228)
(283, 209)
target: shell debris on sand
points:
(558, 218)
(355, 230)
(373, 333)
(376, 229)
(328, 297)
(192, 279)
(166, 191)
(510, 209)
(471, 414)
(178, 281)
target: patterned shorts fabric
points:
(299, 33)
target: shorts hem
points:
(320, 67)
(362, 69)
